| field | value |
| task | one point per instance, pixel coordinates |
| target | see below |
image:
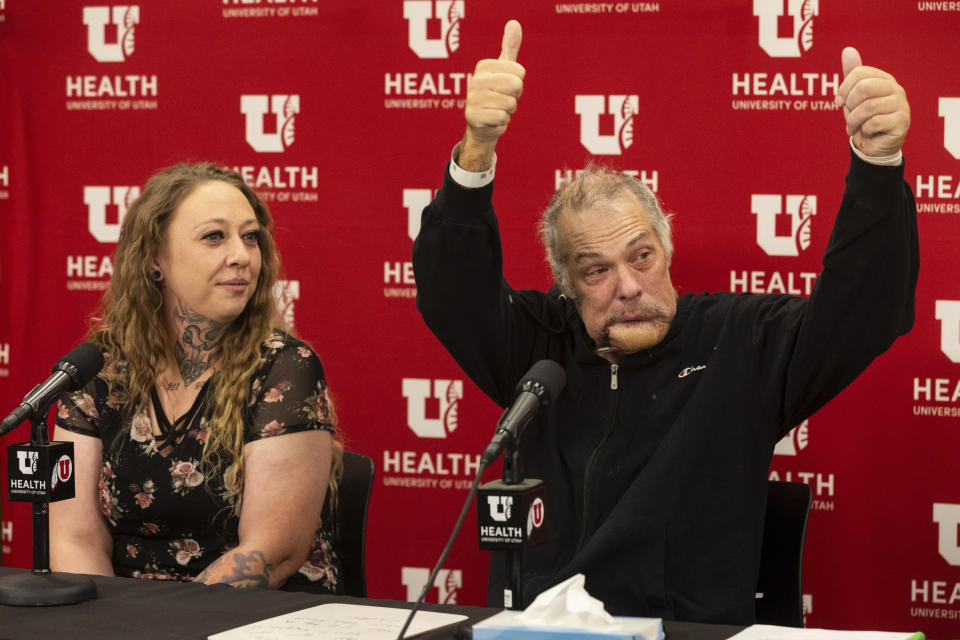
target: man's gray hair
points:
(589, 187)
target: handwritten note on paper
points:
(770, 632)
(340, 622)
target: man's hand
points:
(492, 97)
(874, 106)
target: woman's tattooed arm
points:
(242, 570)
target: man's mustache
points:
(638, 312)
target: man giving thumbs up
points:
(656, 453)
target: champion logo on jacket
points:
(689, 370)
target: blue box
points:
(506, 625)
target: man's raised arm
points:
(457, 256)
(865, 296)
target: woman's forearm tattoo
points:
(241, 570)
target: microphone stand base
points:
(46, 590)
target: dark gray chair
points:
(349, 525)
(353, 501)
(779, 592)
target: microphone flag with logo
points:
(41, 472)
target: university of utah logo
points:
(796, 440)
(447, 583)
(535, 515)
(415, 201)
(606, 122)
(287, 292)
(501, 507)
(948, 313)
(27, 462)
(433, 26)
(122, 19)
(949, 110)
(947, 517)
(786, 26)
(443, 395)
(771, 236)
(270, 121)
(62, 471)
(98, 199)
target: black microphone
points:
(71, 372)
(536, 390)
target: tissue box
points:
(505, 625)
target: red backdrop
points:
(343, 114)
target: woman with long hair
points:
(205, 447)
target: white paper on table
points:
(771, 632)
(336, 621)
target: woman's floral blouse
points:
(167, 520)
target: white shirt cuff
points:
(470, 179)
(894, 160)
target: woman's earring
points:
(157, 275)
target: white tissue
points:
(568, 605)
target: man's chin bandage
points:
(634, 337)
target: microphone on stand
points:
(536, 390)
(511, 512)
(42, 472)
(71, 372)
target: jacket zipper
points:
(611, 410)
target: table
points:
(146, 609)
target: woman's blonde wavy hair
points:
(131, 332)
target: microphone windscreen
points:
(81, 364)
(549, 375)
